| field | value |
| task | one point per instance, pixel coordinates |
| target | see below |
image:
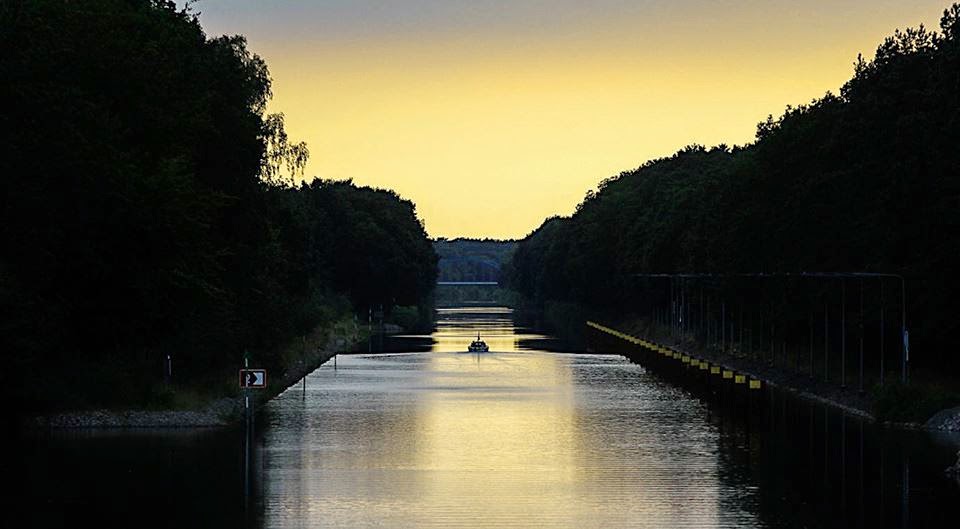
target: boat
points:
(478, 346)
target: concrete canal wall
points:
(699, 367)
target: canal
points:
(531, 435)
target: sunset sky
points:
(494, 114)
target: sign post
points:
(249, 379)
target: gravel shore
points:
(945, 421)
(219, 413)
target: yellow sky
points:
(493, 117)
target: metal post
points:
(811, 341)
(773, 342)
(740, 320)
(761, 335)
(860, 384)
(881, 333)
(683, 309)
(676, 309)
(723, 326)
(702, 336)
(826, 341)
(673, 309)
(247, 438)
(706, 322)
(679, 309)
(843, 333)
(796, 357)
(246, 459)
(905, 338)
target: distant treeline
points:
(473, 259)
(145, 210)
(867, 180)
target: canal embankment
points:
(300, 357)
(752, 375)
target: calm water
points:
(427, 436)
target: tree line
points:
(148, 207)
(465, 259)
(864, 180)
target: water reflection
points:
(129, 478)
(815, 466)
(518, 437)
(515, 438)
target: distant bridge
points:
(467, 283)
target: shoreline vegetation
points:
(832, 233)
(156, 223)
(302, 356)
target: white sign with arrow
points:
(253, 378)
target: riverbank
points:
(851, 400)
(300, 357)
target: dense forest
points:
(867, 180)
(148, 207)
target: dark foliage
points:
(473, 259)
(142, 211)
(867, 180)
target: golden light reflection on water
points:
(497, 438)
(457, 327)
(512, 438)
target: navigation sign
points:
(253, 378)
